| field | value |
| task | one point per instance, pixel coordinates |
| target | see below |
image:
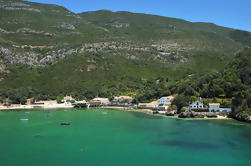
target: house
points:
(164, 101)
(123, 99)
(153, 104)
(81, 102)
(99, 101)
(196, 105)
(163, 108)
(225, 109)
(46, 102)
(67, 99)
(29, 101)
(214, 107)
(150, 105)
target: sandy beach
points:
(20, 107)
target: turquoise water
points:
(100, 137)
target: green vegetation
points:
(233, 83)
(47, 52)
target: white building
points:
(67, 99)
(214, 107)
(46, 102)
(128, 99)
(226, 109)
(196, 105)
(81, 102)
(164, 101)
(100, 101)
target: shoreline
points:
(148, 111)
(161, 114)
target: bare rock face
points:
(4, 31)
(67, 26)
(5, 51)
(28, 30)
(17, 6)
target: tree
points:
(181, 101)
(59, 99)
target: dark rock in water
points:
(155, 112)
(65, 123)
(212, 115)
(190, 114)
(185, 115)
(224, 113)
(170, 113)
(199, 116)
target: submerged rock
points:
(155, 112)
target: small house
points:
(150, 105)
(67, 99)
(196, 105)
(29, 101)
(214, 107)
(164, 101)
(123, 99)
(46, 102)
(99, 101)
(81, 102)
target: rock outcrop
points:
(67, 26)
(171, 113)
(191, 114)
(243, 118)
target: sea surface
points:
(103, 137)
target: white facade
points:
(226, 109)
(129, 99)
(164, 101)
(214, 107)
(50, 103)
(103, 101)
(196, 105)
(67, 98)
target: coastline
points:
(162, 114)
(148, 111)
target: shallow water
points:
(102, 137)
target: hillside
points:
(233, 83)
(47, 50)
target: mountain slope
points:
(103, 52)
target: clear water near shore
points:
(103, 137)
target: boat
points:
(24, 119)
(65, 123)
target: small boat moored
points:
(65, 123)
(24, 119)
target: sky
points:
(229, 13)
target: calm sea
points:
(103, 137)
